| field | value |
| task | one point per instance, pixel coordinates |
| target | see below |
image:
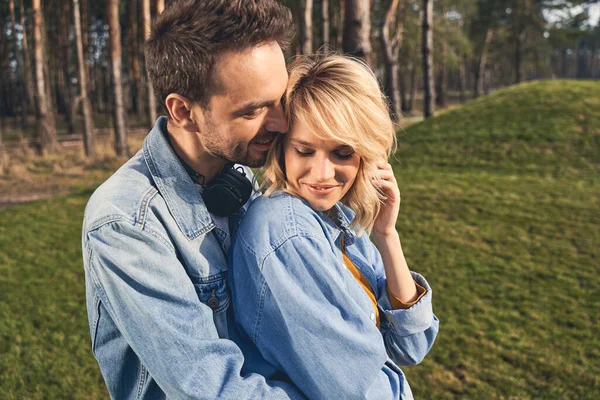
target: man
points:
(154, 255)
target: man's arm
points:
(151, 299)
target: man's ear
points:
(180, 110)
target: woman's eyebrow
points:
(302, 142)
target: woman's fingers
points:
(385, 172)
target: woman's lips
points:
(320, 190)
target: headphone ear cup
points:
(241, 181)
(227, 192)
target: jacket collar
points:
(174, 184)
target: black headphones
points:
(227, 192)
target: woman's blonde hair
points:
(338, 98)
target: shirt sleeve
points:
(408, 332)
(152, 301)
(294, 306)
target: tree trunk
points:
(521, 13)
(1, 150)
(340, 24)
(135, 90)
(578, 62)
(391, 51)
(442, 89)
(29, 86)
(121, 146)
(357, 30)
(442, 79)
(9, 102)
(482, 62)
(65, 62)
(325, 21)
(427, 53)
(85, 35)
(5, 90)
(47, 129)
(462, 78)
(151, 98)
(160, 6)
(594, 63)
(50, 70)
(413, 89)
(3, 60)
(403, 94)
(88, 132)
(306, 7)
(22, 99)
(486, 81)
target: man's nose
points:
(276, 121)
(323, 169)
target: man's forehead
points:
(253, 75)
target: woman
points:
(315, 300)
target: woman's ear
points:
(180, 111)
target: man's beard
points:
(237, 156)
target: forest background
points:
(77, 67)
(498, 111)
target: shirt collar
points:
(174, 184)
(341, 222)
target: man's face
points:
(244, 115)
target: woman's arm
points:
(404, 296)
(294, 305)
(387, 240)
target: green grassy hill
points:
(547, 127)
(500, 212)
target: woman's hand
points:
(385, 223)
(386, 238)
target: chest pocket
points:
(212, 291)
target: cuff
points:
(415, 319)
(398, 304)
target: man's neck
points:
(189, 148)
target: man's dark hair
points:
(189, 35)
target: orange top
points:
(396, 303)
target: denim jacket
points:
(299, 308)
(156, 286)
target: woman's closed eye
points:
(339, 154)
(304, 153)
(344, 155)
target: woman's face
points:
(320, 171)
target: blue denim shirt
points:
(156, 286)
(299, 308)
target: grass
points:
(500, 212)
(45, 348)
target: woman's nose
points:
(323, 169)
